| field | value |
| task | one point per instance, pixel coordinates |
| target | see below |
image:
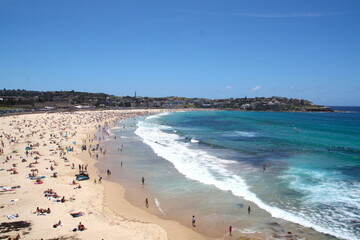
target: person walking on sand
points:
(249, 210)
(193, 220)
(146, 203)
(143, 180)
(230, 230)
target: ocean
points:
(299, 172)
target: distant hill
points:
(40, 100)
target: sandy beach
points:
(40, 199)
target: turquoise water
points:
(311, 162)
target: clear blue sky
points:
(215, 49)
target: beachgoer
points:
(146, 203)
(249, 210)
(57, 224)
(230, 230)
(81, 227)
(193, 220)
(143, 180)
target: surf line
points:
(158, 205)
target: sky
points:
(307, 49)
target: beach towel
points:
(12, 216)
(42, 214)
(3, 189)
(38, 177)
(76, 214)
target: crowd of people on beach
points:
(41, 144)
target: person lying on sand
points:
(51, 195)
(42, 211)
(33, 174)
(57, 224)
(38, 181)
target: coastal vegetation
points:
(25, 100)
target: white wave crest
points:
(158, 205)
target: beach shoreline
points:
(117, 198)
(116, 202)
(48, 137)
(56, 142)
